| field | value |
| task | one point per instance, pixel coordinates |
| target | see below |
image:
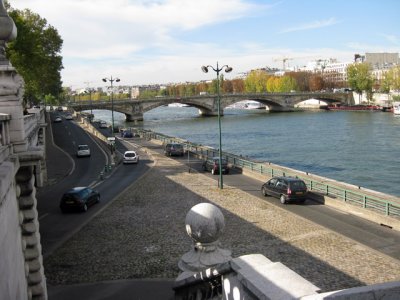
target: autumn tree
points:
(238, 85)
(255, 81)
(35, 54)
(201, 87)
(302, 80)
(227, 87)
(316, 83)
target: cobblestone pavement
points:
(142, 235)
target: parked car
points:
(103, 124)
(58, 119)
(69, 117)
(127, 134)
(286, 189)
(213, 166)
(130, 157)
(83, 150)
(79, 198)
(174, 149)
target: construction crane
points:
(284, 60)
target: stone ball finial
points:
(8, 31)
(205, 223)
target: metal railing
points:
(385, 204)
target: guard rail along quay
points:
(378, 207)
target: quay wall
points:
(383, 220)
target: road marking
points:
(92, 183)
(43, 216)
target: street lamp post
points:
(90, 91)
(217, 70)
(111, 80)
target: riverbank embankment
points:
(375, 206)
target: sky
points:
(167, 41)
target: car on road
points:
(69, 117)
(79, 199)
(213, 165)
(103, 124)
(174, 149)
(130, 157)
(83, 150)
(286, 189)
(57, 119)
(127, 134)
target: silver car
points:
(83, 150)
(130, 157)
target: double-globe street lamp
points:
(90, 91)
(111, 80)
(217, 70)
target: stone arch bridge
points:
(208, 104)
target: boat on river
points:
(250, 104)
(247, 104)
(396, 109)
(178, 105)
(355, 107)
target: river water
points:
(361, 148)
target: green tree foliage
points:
(391, 80)
(148, 94)
(395, 73)
(272, 84)
(359, 77)
(386, 83)
(287, 84)
(35, 54)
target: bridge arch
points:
(208, 104)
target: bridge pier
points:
(134, 117)
(210, 113)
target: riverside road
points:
(68, 261)
(86, 172)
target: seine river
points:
(361, 148)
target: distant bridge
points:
(208, 104)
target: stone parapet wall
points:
(13, 282)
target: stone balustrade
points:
(208, 271)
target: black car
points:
(174, 149)
(127, 134)
(79, 198)
(213, 165)
(286, 189)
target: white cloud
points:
(138, 40)
(102, 28)
(311, 25)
